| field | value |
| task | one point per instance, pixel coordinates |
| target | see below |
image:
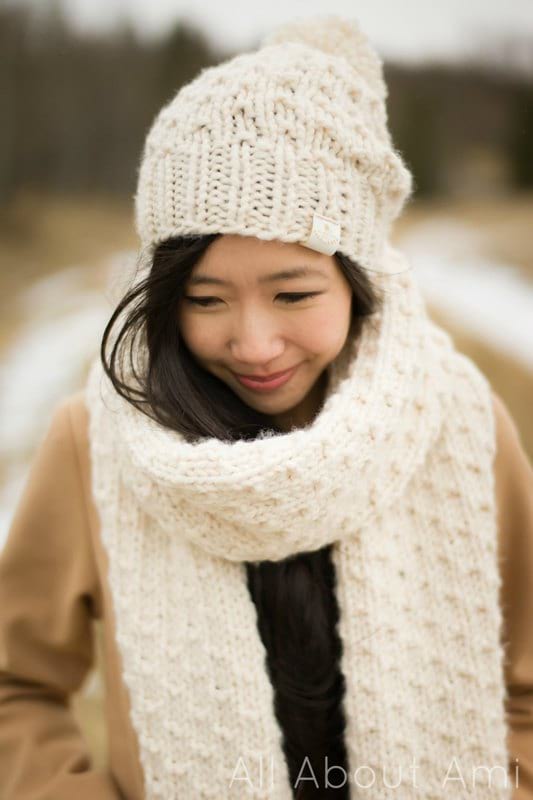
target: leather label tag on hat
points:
(325, 235)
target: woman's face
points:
(238, 320)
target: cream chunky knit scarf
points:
(396, 472)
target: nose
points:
(257, 340)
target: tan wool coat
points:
(53, 586)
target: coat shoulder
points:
(71, 422)
(73, 412)
(510, 458)
(513, 484)
(74, 404)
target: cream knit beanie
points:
(287, 142)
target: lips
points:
(263, 384)
(265, 377)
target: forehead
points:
(234, 258)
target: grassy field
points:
(39, 236)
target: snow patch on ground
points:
(490, 299)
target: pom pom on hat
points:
(336, 36)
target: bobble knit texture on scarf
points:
(396, 472)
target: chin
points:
(279, 403)
(273, 406)
(270, 404)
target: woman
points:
(312, 584)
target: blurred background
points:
(81, 81)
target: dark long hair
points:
(297, 615)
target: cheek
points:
(200, 337)
(325, 328)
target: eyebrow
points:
(282, 275)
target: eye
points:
(295, 297)
(200, 301)
(288, 297)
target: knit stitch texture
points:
(396, 472)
